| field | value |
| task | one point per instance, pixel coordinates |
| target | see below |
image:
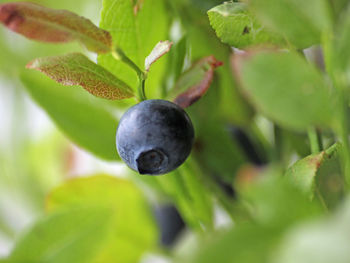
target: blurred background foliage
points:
(65, 197)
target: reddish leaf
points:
(195, 82)
(55, 26)
(76, 69)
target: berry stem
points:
(119, 54)
(141, 89)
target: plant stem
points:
(278, 136)
(141, 88)
(314, 136)
(340, 87)
(119, 54)
(344, 133)
(315, 140)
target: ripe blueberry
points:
(154, 137)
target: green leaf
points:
(319, 241)
(132, 230)
(54, 26)
(339, 6)
(285, 88)
(77, 69)
(235, 26)
(238, 245)
(179, 52)
(43, 162)
(321, 173)
(330, 179)
(301, 22)
(82, 117)
(201, 199)
(71, 236)
(272, 217)
(195, 82)
(291, 206)
(303, 172)
(341, 46)
(136, 27)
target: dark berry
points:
(155, 137)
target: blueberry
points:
(155, 137)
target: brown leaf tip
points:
(214, 62)
(218, 64)
(10, 17)
(316, 161)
